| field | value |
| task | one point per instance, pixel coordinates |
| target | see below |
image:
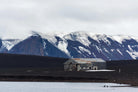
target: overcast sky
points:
(19, 17)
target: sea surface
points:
(64, 87)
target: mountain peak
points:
(78, 44)
(35, 33)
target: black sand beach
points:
(38, 68)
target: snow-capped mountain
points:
(7, 44)
(74, 45)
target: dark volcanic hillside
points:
(32, 46)
(41, 68)
(77, 45)
(35, 45)
(30, 61)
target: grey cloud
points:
(18, 17)
(101, 13)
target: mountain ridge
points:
(76, 45)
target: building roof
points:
(87, 60)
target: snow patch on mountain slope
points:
(51, 37)
(106, 50)
(94, 55)
(100, 37)
(62, 45)
(134, 55)
(82, 37)
(130, 48)
(44, 44)
(84, 50)
(121, 38)
(8, 44)
(119, 52)
(98, 49)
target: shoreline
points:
(67, 79)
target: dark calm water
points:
(64, 87)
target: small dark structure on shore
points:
(82, 64)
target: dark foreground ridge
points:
(37, 68)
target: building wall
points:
(71, 65)
(85, 67)
(100, 65)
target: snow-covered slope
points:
(77, 45)
(8, 44)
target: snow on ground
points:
(103, 70)
(64, 87)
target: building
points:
(82, 64)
